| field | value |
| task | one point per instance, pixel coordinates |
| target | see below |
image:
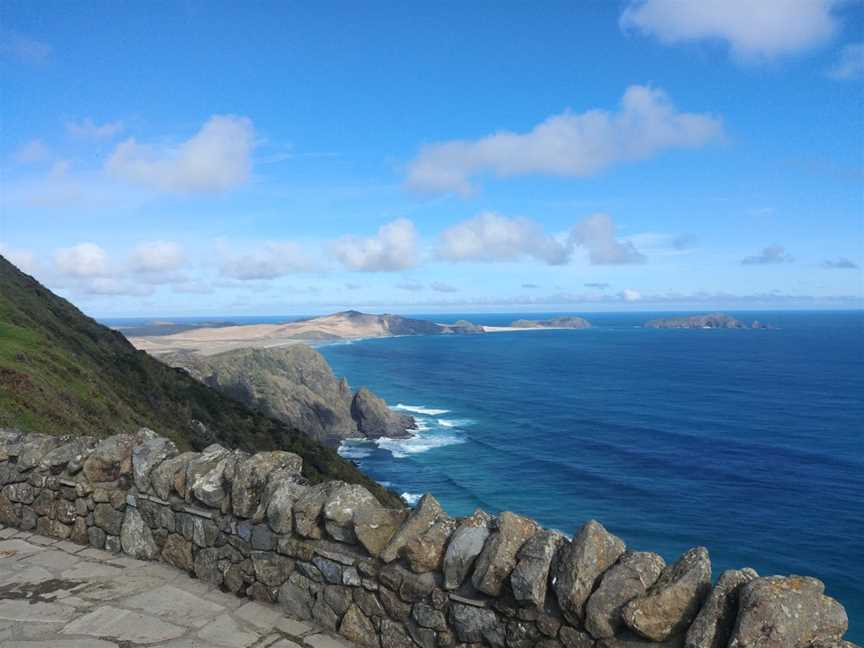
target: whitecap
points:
(411, 498)
(420, 409)
(450, 423)
(422, 441)
(354, 450)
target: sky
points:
(223, 158)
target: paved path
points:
(61, 595)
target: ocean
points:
(749, 442)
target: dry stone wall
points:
(385, 578)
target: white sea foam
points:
(354, 449)
(420, 409)
(457, 423)
(423, 441)
(411, 498)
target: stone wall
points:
(392, 578)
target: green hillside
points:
(62, 372)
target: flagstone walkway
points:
(56, 594)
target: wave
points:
(354, 449)
(411, 498)
(420, 409)
(423, 441)
(457, 423)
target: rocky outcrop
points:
(712, 321)
(569, 321)
(296, 385)
(375, 420)
(330, 553)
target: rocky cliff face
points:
(296, 385)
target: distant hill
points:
(62, 372)
(566, 321)
(346, 325)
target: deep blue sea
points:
(748, 442)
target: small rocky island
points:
(567, 321)
(711, 321)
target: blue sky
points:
(170, 158)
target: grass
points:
(62, 372)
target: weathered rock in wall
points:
(382, 578)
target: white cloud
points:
(630, 295)
(769, 255)
(753, 29)
(156, 257)
(493, 237)
(570, 145)
(82, 260)
(850, 66)
(395, 247)
(273, 259)
(88, 129)
(217, 158)
(23, 49)
(23, 259)
(597, 234)
(31, 152)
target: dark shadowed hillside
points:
(62, 372)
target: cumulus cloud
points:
(393, 248)
(156, 257)
(492, 237)
(22, 48)
(271, 260)
(569, 144)
(23, 259)
(753, 30)
(217, 158)
(769, 255)
(839, 264)
(630, 295)
(438, 286)
(31, 152)
(88, 129)
(850, 65)
(597, 234)
(84, 260)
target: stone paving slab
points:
(56, 594)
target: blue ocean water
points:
(748, 442)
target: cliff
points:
(553, 322)
(387, 578)
(296, 385)
(712, 321)
(62, 372)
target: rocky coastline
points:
(711, 321)
(569, 322)
(296, 385)
(393, 578)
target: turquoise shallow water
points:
(748, 442)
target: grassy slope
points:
(62, 372)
